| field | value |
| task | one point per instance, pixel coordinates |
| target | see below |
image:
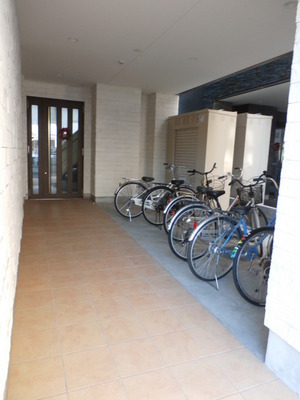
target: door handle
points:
(45, 173)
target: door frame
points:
(43, 107)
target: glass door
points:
(55, 148)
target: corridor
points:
(96, 317)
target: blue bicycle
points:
(212, 245)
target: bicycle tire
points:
(257, 218)
(251, 266)
(183, 224)
(174, 206)
(155, 202)
(129, 198)
(207, 258)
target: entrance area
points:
(55, 148)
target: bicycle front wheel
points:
(251, 267)
(155, 202)
(211, 248)
(129, 198)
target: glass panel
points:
(64, 153)
(75, 126)
(52, 137)
(35, 148)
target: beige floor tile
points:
(111, 306)
(200, 379)
(70, 295)
(123, 273)
(34, 280)
(275, 390)
(60, 279)
(118, 261)
(160, 321)
(143, 259)
(167, 282)
(152, 270)
(146, 302)
(106, 391)
(134, 286)
(214, 338)
(81, 336)
(136, 356)
(59, 397)
(99, 291)
(193, 315)
(74, 313)
(33, 344)
(123, 328)
(35, 318)
(243, 368)
(177, 297)
(158, 385)
(89, 367)
(99, 277)
(33, 299)
(177, 347)
(36, 379)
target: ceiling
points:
(165, 46)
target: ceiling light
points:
(121, 62)
(73, 39)
(290, 4)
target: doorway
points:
(55, 148)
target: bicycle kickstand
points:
(129, 212)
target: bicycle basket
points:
(214, 183)
(245, 197)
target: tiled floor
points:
(96, 317)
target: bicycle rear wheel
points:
(184, 223)
(129, 198)
(155, 202)
(210, 249)
(251, 267)
(174, 206)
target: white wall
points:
(65, 92)
(12, 176)
(283, 301)
(117, 137)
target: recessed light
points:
(73, 39)
(121, 62)
(290, 4)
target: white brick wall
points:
(283, 301)
(117, 139)
(12, 176)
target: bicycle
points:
(252, 262)
(180, 201)
(158, 197)
(211, 245)
(128, 197)
(189, 217)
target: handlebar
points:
(194, 171)
(262, 178)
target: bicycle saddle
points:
(210, 192)
(147, 178)
(177, 182)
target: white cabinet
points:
(201, 138)
(252, 143)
